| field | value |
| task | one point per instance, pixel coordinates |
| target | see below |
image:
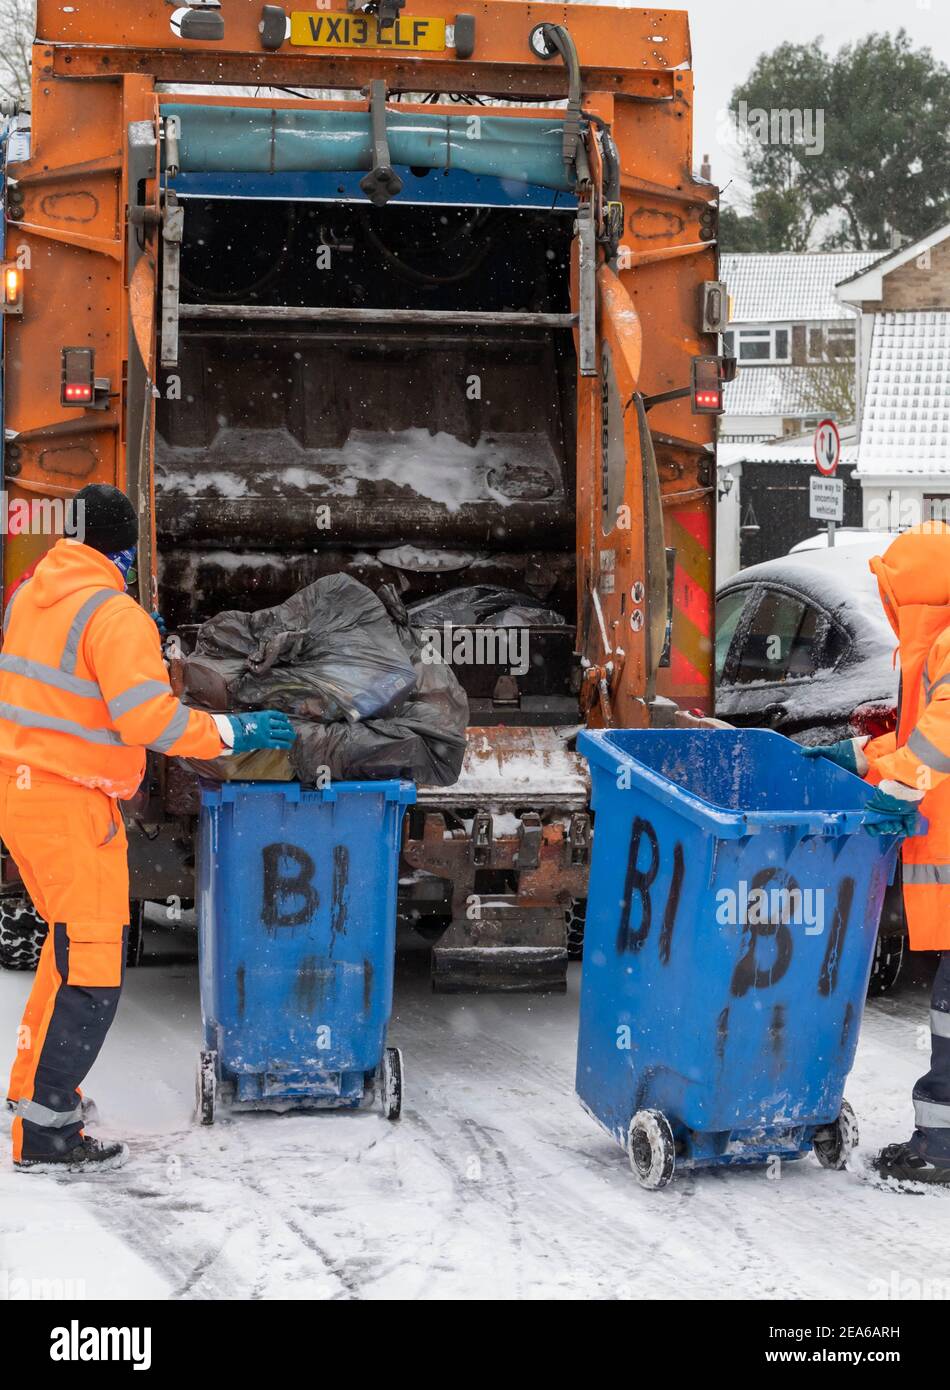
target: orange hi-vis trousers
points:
(70, 846)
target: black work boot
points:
(88, 1156)
(903, 1163)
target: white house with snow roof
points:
(786, 326)
(902, 372)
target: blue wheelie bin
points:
(296, 939)
(732, 914)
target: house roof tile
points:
(785, 287)
(906, 419)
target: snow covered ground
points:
(494, 1184)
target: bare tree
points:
(17, 26)
(829, 388)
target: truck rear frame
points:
(101, 224)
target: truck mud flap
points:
(499, 969)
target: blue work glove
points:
(159, 622)
(841, 753)
(266, 728)
(890, 815)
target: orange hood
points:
(913, 576)
(69, 567)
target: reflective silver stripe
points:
(172, 731)
(939, 1023)
(49, 1119)
(48, 675)
(74, 636)
(944, 680)
(922, 874)
(925, 678)
(29, 719)
(136, 695)
(928, 753)
(930, 1114)
(13, 597)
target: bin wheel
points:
(391, 1079)
(206, 1087)
(650, 1148)
(835, 1143)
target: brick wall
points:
(919, 287)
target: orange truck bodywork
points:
(92, 278)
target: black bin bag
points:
(329, 652)
(365, 698)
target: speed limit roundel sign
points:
(827, 447)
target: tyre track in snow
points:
(206, 1270)
(444, 1058)
(760, 1262)
(285, 1216)
(315, 1226)
(181, 1255)
(348, 1207)
(543, 1208)
(277, 1209)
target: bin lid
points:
(220, 793)
(732, 782)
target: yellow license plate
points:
(334, 30)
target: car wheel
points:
(135, 942)
(886, 967)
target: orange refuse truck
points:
(422, 295)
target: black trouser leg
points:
(932, 1092)
(81, 1017)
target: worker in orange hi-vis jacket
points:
(83, 693)
(911, 771)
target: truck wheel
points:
(575, 916)
(651, 1149)
(206, 1087)
(888, 960)
(22, 934)
(391, 1079)
(834, 1144)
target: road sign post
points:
(826, 500)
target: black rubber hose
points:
(558, 37)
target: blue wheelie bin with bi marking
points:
(296, 936)
(732, 914)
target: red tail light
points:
(78, 384)
(706, 386)
(875, 717)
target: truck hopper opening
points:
(297, 445)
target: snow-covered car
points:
(844, 535)
(803, 647)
